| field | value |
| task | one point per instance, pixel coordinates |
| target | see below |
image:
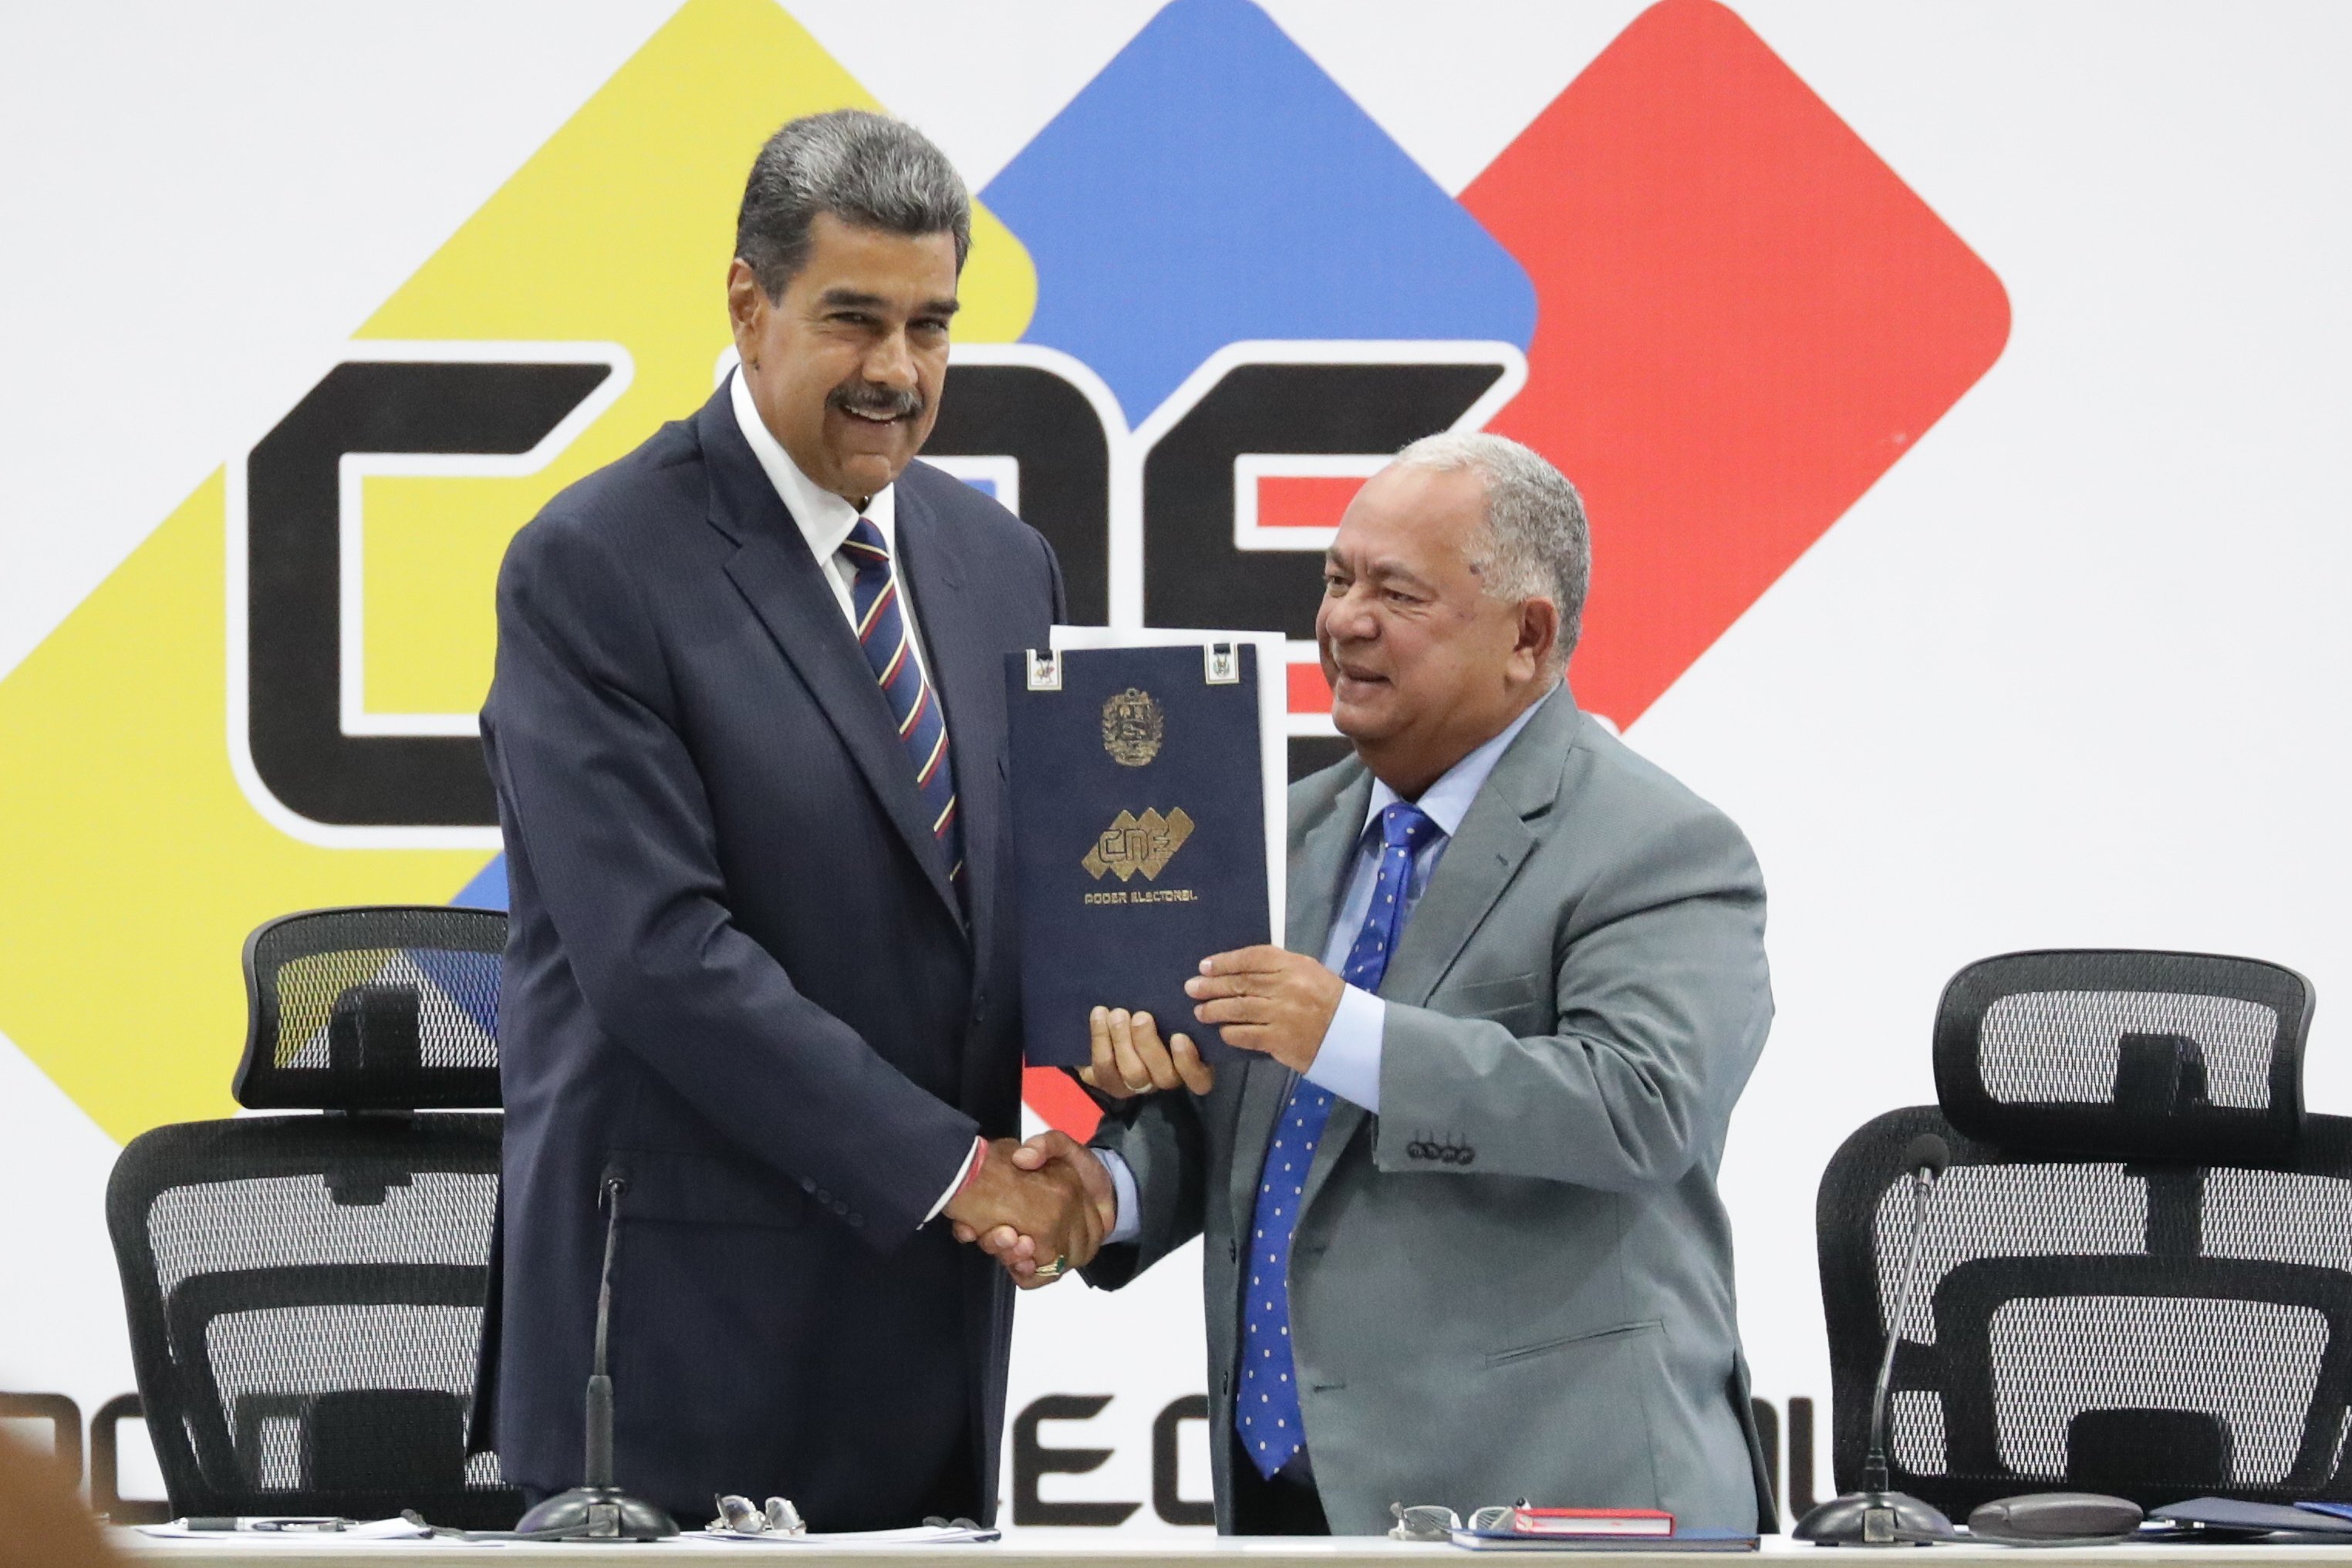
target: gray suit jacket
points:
(1516, 1281)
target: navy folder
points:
(1138, 834)
(2226, 1513)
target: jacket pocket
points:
(1575, 1415)
(678, 1187)
(1521, 1353)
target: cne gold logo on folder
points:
(1132, 726)
(1133, 843)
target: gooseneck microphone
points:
(596, 1509)
(1926, 1159)
(1876, 1516)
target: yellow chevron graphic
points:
(131, 865)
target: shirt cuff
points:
(963, 1173)
(1348, 1063)
(1128, 1224)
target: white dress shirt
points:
(824, 520)
(1348, 1063)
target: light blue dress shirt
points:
(1348, 1063)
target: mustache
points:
(857, 397)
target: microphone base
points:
(597, 1514)
(1874, 1518)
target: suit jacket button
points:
(1468, 1153)
(1233, 1251)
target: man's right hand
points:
(1048, 1153)
(1130, 1060)
(1046, 1206)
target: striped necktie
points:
(1266, 1407)
(888, 643)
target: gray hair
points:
(1537, 544)
(865, 169)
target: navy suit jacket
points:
(737, 974)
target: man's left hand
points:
(1268, 1000)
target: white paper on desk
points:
(1273, 731)
(368, 1529)
(913, 1535)
(389, 1530)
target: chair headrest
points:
(2189, 1058)
(383, 1007)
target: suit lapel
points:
(785, 587)
(968, 675)
(1316, 875)
(1326, 858)
(1266, 1084)
(1496, 838)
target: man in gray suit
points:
(1462, 1242)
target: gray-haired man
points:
(1463, 1241)
(745, 733)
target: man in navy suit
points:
(748, 736)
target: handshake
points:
(1043, 1208)
(1040, 1207)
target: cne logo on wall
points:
(1201, 306)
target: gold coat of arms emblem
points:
(1132, 726)
(1133, 843)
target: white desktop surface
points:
(327, 1551)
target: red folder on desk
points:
(1526, 1521)
(1688, 1540)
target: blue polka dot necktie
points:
(1267, 1411)
(884, 636)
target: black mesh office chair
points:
(306, 1291)
(2137, 1271)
